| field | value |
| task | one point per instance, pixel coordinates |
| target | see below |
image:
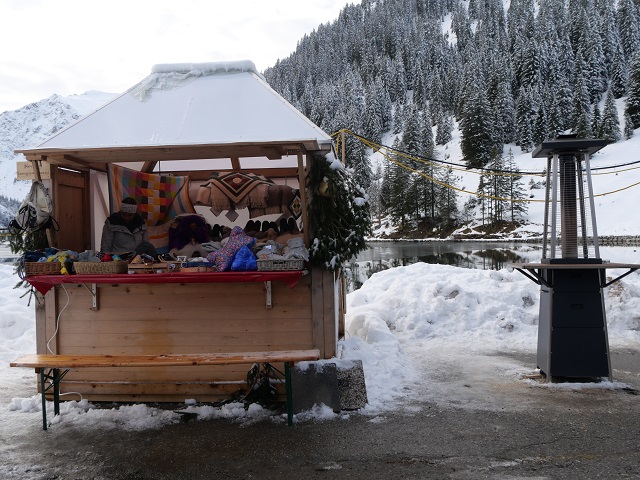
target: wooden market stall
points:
(182, 122)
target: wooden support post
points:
(51, 307)
(342, 309)
(267, 286)
(329, 314)
(317, 310)
(302, 180)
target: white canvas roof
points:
(188, 111)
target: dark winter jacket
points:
(118, 237)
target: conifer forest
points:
(502, 72)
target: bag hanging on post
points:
(35, 211)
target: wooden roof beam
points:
(201, 175)
(66, 161)
(148, 167)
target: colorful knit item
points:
(223, 258)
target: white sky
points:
(72, 46)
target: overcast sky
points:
(72, 46)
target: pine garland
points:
(338, 213)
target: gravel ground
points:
(469, 424)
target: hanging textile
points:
(160, 199)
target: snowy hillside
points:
(616, 190)
(30, 125)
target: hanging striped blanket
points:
(160, 199)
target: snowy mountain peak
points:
(30, 125)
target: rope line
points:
(376, 146)
(453, 166)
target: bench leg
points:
(289, 390)
(43, 390)
(56, 391)
(54, 376)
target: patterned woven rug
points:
(237, 185)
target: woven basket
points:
(273, 264)
(101, 268)
(44, 268)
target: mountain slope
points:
(468, 81)
(30, 125)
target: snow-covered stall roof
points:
(188, 111)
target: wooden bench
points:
(54, 367)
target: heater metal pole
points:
(583, 213)
(554, 205)
(547, 201)
(592, 205)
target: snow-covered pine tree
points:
(372, 123)
(398, 117)
(540, 129)
(610, 126)
(447, 197)
(619, 74)
(375, 193)
(420, 94)
(605, 17)
(596, 68)
(555, 118)
(628, 126)
(628, 26)
(581, 111)
(477, 134)
(400, 204)
(633, 91)
(596, 121)
(517, 206)
(339, 215)
(496, 188)
(503, 111)
(527, 67)
(412, 144)
(525, 120)
(445, 129)
(427, 145)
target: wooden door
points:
(71, 210)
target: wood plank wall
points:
(172, 319)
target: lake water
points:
(477, 254)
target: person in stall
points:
(126, 232)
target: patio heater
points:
(572, 327)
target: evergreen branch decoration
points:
(338, 213)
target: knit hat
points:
(129, 205)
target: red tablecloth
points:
(43, 283)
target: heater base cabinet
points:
(572, 330)
(579, 352)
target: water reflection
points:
(483, 255)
